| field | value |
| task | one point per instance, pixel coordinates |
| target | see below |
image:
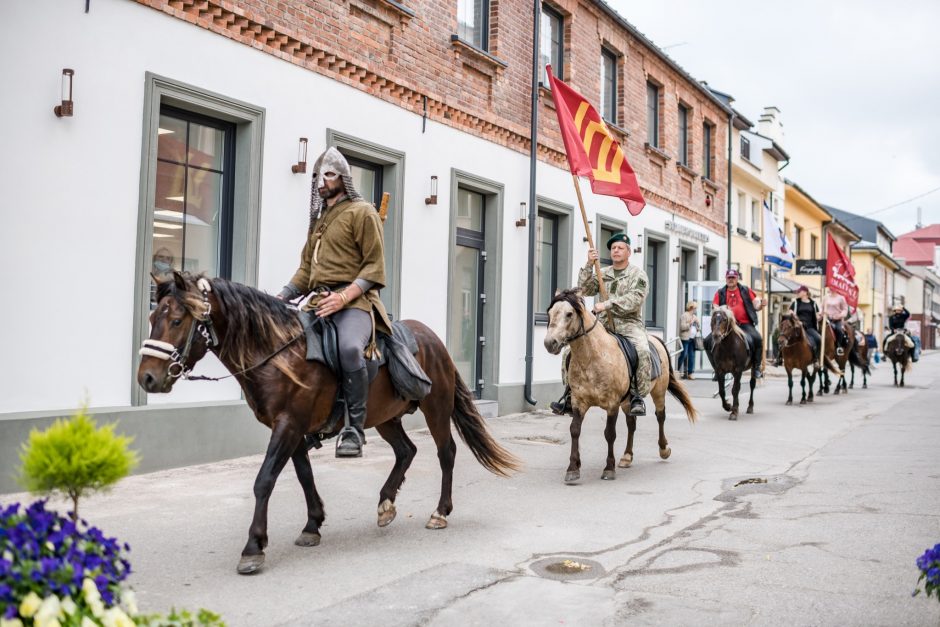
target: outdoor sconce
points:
(301, 166)
(521, 221)
(65, 109)
(676, 259)
(638, 249)
(432, 199)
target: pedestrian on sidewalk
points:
(688, 330)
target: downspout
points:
(533, 162)
(730, 140)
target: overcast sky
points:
(857, 82)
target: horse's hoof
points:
(387, 513)
(789, 402)
(626, 461)
(307, 539)
(664, 453)
(436, 521)
(750, 410)
(802, 401)
(864, 386)
(572, 475)
(733, 417)
(609, 475)
(250, 564)
(726, 407)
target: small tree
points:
(75, 457)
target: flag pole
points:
(587, 232)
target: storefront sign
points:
(682, 230)
(813, 267)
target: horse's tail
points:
(678, 390)
(856, 361)
(473, 432)
(908, 365)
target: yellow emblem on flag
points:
(588, 132)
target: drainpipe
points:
(728, 193)
(533, 162)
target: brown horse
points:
(860, 359)
(898, 352)
(599, 376)
(837, 359)
(730, 353)
(255, 336)
(797, 353)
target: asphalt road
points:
(807, 515)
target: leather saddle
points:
(397, 351)
(630, 354)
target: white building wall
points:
(70, 210)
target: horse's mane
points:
(572, 297)
(729, 315)
(257, 321)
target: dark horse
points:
(860, 359)
(730, 353)
(797, 353)
(836, 359)
(898, 352)
(257, 341)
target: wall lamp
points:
(301, 166)
(65, 109)
(638, 249)
(522, 217)
(432, 199)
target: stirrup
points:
(637, 407)
(349, 443)
(563, 405)
(840, 351)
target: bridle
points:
(178, 357)
(581, 331)
(203, 326)
(716, 334)
(784, 339)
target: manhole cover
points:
(567, 568)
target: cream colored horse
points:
(599, 376)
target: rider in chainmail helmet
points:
(343, 263)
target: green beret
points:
(619, 236)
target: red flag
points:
(840, 275)
(591, 150)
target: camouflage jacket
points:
(626, 289)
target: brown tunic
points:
(351, 247)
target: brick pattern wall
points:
(405, 56)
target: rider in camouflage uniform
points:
(622, 312)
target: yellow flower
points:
(91, 591)
(12, 622)
(129, 601)
(87, 622)
(50, 608)
(115, 617)
(50, 546)
(47, 622)
(30, 604)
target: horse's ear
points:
(179, 280)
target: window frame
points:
(745, 148)
(484, 43)
(708, 149)
(609, 108)
(554, 218)
(558, 69)
(249, 123)
(563, 245)
(657, 301)
(652, 114)
(684, 112)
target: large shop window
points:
(192, 215)
(473, 22)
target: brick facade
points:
(403, 52)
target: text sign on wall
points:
(813, 267)
(680, 229)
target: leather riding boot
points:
(563, 404)
(356, 391)
(637, 406)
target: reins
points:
(582, 332)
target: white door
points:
(703, 292)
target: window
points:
(552, 47)
(707, 150)
(605, 234)
(652, 114)
(711, 268)
(742, 213)
(609, 86)
(683, 135)
(367, 179)
(192, 216)
(745, 148)
(755, 217)
(813, 243)
(546, 261)
(473, 22)
(797, 240)
(655, 299)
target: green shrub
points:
(75, 457)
